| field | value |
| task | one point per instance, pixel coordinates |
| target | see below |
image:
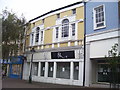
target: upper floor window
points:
(73, 11)
(32, 36)
(58, 15)
(99, 17)
(57, 32)
(37, 34)
(33, 24)
(43, 20)
(65, 28)
(41, 35)
(73, 29)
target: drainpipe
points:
(84, 42)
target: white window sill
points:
(99, 27)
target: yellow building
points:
(57, 38)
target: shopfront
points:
(63, 68)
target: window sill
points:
(99, 28)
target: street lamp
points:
(30, 76)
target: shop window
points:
(76, 71)
(50, 69)
(42, 68)
(35, 69)
(63, 70)
(103, 73)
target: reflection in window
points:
(50, 69)
(42, 68)
(65, 28)
(76, 70)
(99, 15)
(73, 29)
(35, 68)
(63, 70)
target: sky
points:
(33, 8)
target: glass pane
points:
(35, 69)
(103, 73)
(76, 70)
(50, 69)
(63, 70)
(42, 68)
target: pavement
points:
(18, 83)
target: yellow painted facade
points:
(80, 13)
(27, 41)
(64, 45)
(80, 31)
(72, 43)
(55, 45)
(48, 36)
(50, 22)
(66, 13)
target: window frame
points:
(57, 32)
(65, 33)
(41, 36)
(74, 11)
(37, 35)
(94, 18)
(73, 29)
(58, 15)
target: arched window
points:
(65, 28)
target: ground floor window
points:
(50, 69)
(76, 70)
(105, 74)
(63, 70)
(35, 68)
(42, 68)
(16, 69)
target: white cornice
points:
(59, 11)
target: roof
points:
(55, 10)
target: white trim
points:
(68, 43)
(59, 60)
(94, 18)
(102, 32)
(103, 35)
(56, 12)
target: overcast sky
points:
(33, 8)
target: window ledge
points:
(99, 28)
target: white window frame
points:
(57, 32)
(37, 35)
(64, 32)
(31, 39)
(73, 29)
(42, 36)
(94, 18)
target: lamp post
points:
(30, 76)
